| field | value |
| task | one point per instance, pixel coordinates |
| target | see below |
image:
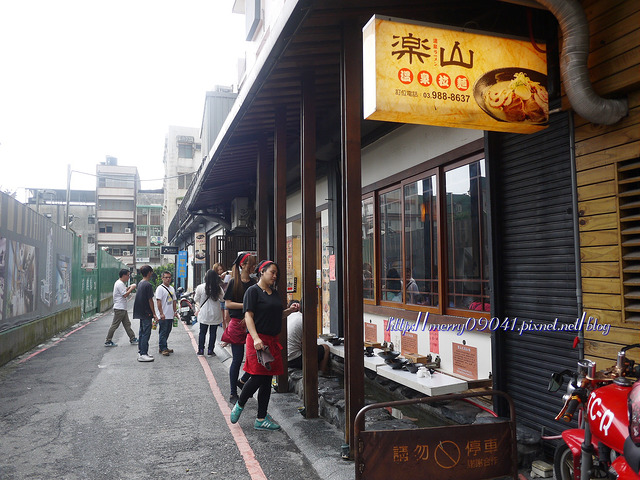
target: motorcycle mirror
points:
(557, 379)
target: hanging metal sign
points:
(421, 73)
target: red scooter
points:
(607, 442)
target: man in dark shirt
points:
(143, 309)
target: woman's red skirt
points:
(251, 364)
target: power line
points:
(119, 177)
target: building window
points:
(185, 150)
(421, 242)
(155, 219)
(467, 249)
(154, 253)
(413, 219)
(91, 220)
(120, 205)
(91, 258)
(142, 218)
(390, 207)
(368, 250)
(184, 180)
(91, 238)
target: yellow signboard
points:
(421, 73)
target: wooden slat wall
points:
(614, 66)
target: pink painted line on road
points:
(250, 460)
(60, 339)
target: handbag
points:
(235, 332)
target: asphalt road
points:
(74, 409)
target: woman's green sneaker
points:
(267, 424)
(235, 413)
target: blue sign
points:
(182, 264)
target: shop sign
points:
(465, 360)
(169, 250)
(182, 264)
(156, 240)
(472, 452)
(200, 247)
(425, 74)
(370, 332)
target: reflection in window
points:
(368, 250)
(420, 242)
(468, 256)
(390, 245)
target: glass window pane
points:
(368, 261)
(421, 242)
(468, 254)
(390, 245)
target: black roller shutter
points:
(534, 265)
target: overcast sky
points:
(83, 79)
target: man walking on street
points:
(166, 308)
(143, 310)
(120, 315)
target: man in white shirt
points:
(120, 315)
(294, 343)
(166, 308)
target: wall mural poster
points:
(63, 280)
(46, 283)
(3, 257)
(21, 281)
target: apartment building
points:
(52, 204)
(182, 157)
(149, 228)
(116, 192)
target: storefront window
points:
(368, 250)
(467, 249)
(420, 279)
(430, 246)
(391, 245)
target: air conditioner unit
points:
(126, 253)
(127, 230)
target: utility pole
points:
(66, 214)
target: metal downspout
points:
(576, 228)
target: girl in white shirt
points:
(208, 296)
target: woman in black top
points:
(263, 314)
(236, 331)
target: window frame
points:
(374, 198)
(438, 169)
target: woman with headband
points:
(236, 332)
(263, 314)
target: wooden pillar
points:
(262, 200)
(280, 227)
(350, 90)
(309, 292)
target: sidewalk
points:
(318, 440)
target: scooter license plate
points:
(184, 309)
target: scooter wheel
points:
(563, 463)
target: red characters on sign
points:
(424, 78)
(443, 80)
(405, 75)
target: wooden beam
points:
(280, 227)
(262, 199)
(309, 292)
(351, 87)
